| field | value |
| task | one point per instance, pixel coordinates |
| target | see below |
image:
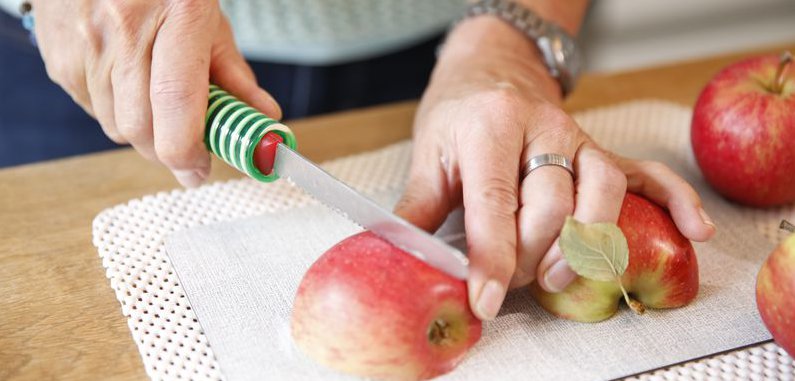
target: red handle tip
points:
(265, 152)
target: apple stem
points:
(781, 73)
(788, 226)
(635, 305)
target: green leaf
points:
(596, 251)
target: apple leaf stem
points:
(781, 73)
(788, 226)
(633, 304)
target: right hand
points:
(142, 68)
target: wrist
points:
(500, 52)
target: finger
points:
(130, 77)
(230, 70)
(601, 186)
(662, 185)
(73, 82)
(489, 172)
(427, 200)
(65, 67)
(178, 91)
(100, 91)
(547, 197)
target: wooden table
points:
(58, 315)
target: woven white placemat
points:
(130, 241)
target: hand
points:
(142, 69)
(488, 109)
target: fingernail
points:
(705, 217)
(490, 300)
(189, 178)
(559, 276)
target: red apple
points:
(662, 270)
(775, 294)
(743, 131)
(367, 308)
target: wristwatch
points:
(558, 49)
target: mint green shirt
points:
(328, 31)
(331, 31)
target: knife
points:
(237, 133)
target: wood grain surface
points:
(59, 318)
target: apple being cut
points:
(662, 270)
(367, 308)
(743, 131)
(775, 294)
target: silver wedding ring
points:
(547, 159)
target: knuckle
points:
(665, 175)
(69, 77)
(655, 167)
(59, 73)
(133, 130)
(126, 16)
(497, 108)
(554, 125)
(91, 34)
(559, 126)
(610, 180)
(115, 137)
(173, 94)
(498, 196)
(174, 154)
(112, 133)
(552, 115)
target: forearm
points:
(487, 41)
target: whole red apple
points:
(743, 131)
(775, 294)
(662, 270)
(367, 308)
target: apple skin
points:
(775, 294)
(662, 270)
(743, 133)
(367, 308)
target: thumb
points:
(426, 201)
(230, 70)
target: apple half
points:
(367, 308)
(662, 270)
(775, 294)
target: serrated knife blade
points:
(365, 212)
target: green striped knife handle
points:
(233, 129)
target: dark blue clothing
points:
(39, 121)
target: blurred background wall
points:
(625, 34)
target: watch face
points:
(573, 57)
(566, 53)
(566, 56)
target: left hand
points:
(488, 109)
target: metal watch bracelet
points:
(558, 49)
